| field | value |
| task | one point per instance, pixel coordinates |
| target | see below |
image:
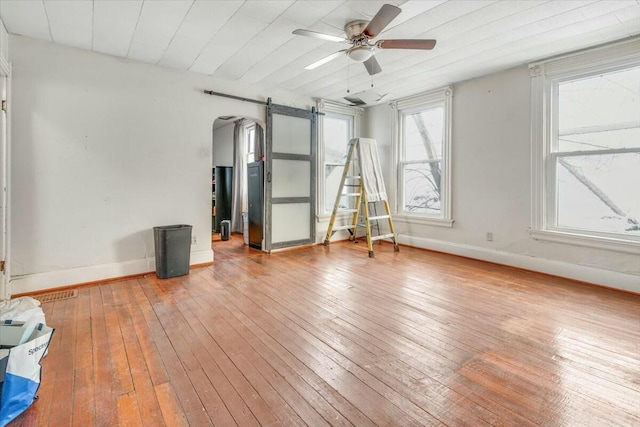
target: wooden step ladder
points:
(360, 202)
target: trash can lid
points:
(171, 227)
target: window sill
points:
(423, 220)
(607, 243)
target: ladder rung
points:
(350, 194)
(353, 177)
(372, 218)
(347, 210)
(352, 185)
(342, 227)
(382, 236)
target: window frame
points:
(334, 110)
(546, 76)
(440, 97)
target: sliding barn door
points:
(290, 177)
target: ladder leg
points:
(391, 228)
(345, 173)
(375, 214)
(354, 217)
(367, 225)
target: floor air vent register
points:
(57, 296)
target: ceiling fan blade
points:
(318, 35)
(372, 66)
(325, 60)
(427, 44)
(385, 15)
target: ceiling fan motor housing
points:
(354, 30)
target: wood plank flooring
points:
(327, 336)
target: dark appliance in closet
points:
(255, 189)
(223, 180)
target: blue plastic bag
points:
(21, 371)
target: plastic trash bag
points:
(23, 309)
(20, 369)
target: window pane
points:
(422, 189)
(624, 138)
(600, 193)
(251, 140)
(423, 132)
(336, 133)
(332, 176)
(600, 112)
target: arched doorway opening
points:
(237, 143)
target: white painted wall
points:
(491, 186)
(223, 145)
(103, 150)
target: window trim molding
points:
(586, 240)
(423, 220)
(544, 77)
(325, 106)
(399, 107)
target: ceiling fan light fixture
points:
(360, 53)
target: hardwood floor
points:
(328, 336)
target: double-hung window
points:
(586, 147)
(337, 127)
(423, 153)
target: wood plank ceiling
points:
(251, 41)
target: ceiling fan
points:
(360, 33)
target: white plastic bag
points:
(22, 309)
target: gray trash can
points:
(225, 229)
(173, 250)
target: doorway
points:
(288, 207)
(237, 142)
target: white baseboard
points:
(608, 278)
(56, 279)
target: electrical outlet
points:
(489, 236)
(194, 240)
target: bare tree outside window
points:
(596, 156)
(422, 160)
